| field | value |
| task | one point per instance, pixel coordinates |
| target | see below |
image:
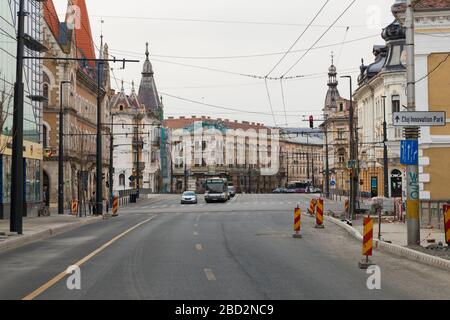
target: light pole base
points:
(297, 236)
(365, 264)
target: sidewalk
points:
(395, 232)
(35, 229)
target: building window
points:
(121, 107)
(45, 94)
(341, 107)
(45, 137)
(341, 154)
(122, 180)
(395, 104)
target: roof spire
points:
(147, 53)
(132, 86)
(122, 89)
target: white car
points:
(189, 197)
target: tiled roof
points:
(423, 5)
(433, 4)
(183, 122)
(51, 18)
(83, 35)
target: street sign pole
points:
(412, 133)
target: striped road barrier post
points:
(297, 223)
(312, 207)
(115, 206)
(447, 223)
(74, 207)
(367, 250)
(319, 214)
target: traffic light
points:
(311, 122)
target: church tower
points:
(148, 93)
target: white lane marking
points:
(195, 233)
(210, 275)
(198, 217)
(198, 247)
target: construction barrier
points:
(115, 208)
(74, 208)
(297, 223)
(447, 223)
(312, 207)
(367, 250)
(347, 206)
(319, 214)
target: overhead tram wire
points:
(270, 102)
(245, 56)
(299, 37)
(217, 21)
(321, 37)
(284, 101)
(342, 47)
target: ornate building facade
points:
(337, 135)
(136, 123)
(381, 92)
(432, 59)
(72, 85)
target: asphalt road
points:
(240, 250)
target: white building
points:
(136, 132)
(382, 91)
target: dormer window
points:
(121, 107)
(341, 107)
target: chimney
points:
(171, 118)
(183, 117)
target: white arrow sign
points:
(420, 119)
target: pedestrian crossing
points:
(236, 204)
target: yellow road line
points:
(210, 275)
(63, 274)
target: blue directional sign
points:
(409, 152)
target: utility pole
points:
(353, 175)
(17, 170)
(385, 152)
(412, 134)
(327, 161)
(99, 158)
(61, 150)
(111, 162)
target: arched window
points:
(46, 89)
(45, 136)
(341, 107)
(341, 154)
(121, 107)
(122, 180)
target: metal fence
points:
(432, 213)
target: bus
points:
(216, 190)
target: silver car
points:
(189, 197)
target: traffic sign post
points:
(420, 119)
(409, 152)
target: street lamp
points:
(385, 151)
(61, 150)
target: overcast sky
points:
(238, 28)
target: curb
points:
(45, 234)
(396, 249)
